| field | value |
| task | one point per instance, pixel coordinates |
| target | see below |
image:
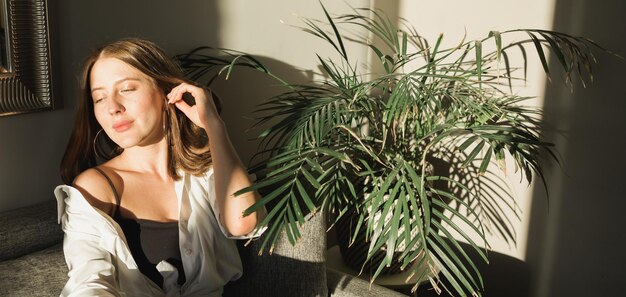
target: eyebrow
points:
(116, 82)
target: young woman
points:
(156, 217)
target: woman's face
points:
(127, 103)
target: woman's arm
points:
(229, 172)
(230, 177)
(91, 272)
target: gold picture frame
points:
(26, 84)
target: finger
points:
(169, 95)
(173, 95)
(177, 94)
(184, 107)
(197, 93)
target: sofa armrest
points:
(290, 270)
(29, 229)
(344, 285)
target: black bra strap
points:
(118, 199)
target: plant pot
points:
(355, 254)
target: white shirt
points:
(100, 262)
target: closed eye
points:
(127, 90)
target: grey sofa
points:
(32, 262)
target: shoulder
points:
(96, 189)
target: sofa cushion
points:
(28, 229)
(40, 274)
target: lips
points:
(122, 126)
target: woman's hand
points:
(202, 112)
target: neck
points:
(151, 158)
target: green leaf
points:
(556, 49)
(498, 39)
(289, 230)
(314, 165)
(525, 59)
(304, 196)
(453, 276)
(265, 199)
(467, 143)
(415, 208)
(394, 224)
(486, 160)
(457, 266)
(357, 228)
(508, 70)
(337, 155)
(295, 205)
(312, 180)
(425, 204)
(479, 61)
(404, 45)
(449, 220)
(337, 35)
(474, 153)
(274, 212)
(539, 49)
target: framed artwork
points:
(25, 79)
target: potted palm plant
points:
(414, 154)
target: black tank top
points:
(150, 242)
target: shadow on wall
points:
(241, 94)
(575, 245)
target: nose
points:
(114, 105)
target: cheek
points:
(148, 107)
(100, 117)
(149, 110)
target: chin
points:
(126, 142)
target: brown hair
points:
(188, 143)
